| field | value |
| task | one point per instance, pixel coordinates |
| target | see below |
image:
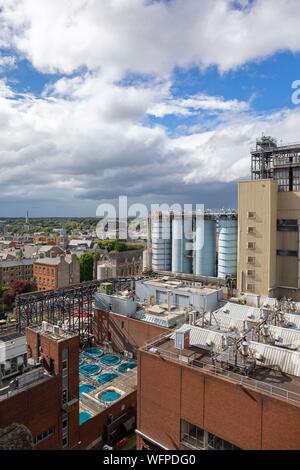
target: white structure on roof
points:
(225, 322)
(285, 336)
(204, 339)
(286, 361)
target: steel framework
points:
(72, 306)
(279, 162)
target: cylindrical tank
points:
(161, 242)
(227, 257)
(182, 243)
(205, 247)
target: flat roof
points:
(176, 284)
(263, 379)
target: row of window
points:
(17, 269)
(46, 282)
(43, 436)
(199, 439)
(43, 270)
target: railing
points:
(242, 380)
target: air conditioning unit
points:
(56, 330)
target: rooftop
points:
(54, 332)
(16, 263)
(53, 261)
(177, 284)
(255, 347)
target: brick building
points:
(221, 398)
(16, 270)
(54, 273)
(44, 392)
(120, 264)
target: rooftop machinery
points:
(279, 162)
(188, 243)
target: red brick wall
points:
(281, 425)
(92, 429)
(168, 391)
(232, 413)
(52, 349)
(37, 408)
(159, 400)
(126, 333)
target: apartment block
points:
(54, 273)
(16, 270)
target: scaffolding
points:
(70, 307)
(279, 162)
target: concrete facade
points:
(268, 247)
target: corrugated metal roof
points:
(287, 336)
(240, 312)
(200, 337)
(284, 360)
(227, 323)
(294, 320)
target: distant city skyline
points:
(92, 107)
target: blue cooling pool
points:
(92, 352)
(84, 416)
(125, 366)
(109, 395)
(89, 369)
(110, 360)
(86, 388)
(106, 377)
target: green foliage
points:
(117, 245)
(86, 267)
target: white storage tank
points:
(182, 243)
(205, 247)
(161, 242)
(227, 256)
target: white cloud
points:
(92, 144)
(88, 137)
(132, 35)
(194, 104)
(7, 62)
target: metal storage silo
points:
(182, 243)
(161, 242)
(228, 235)
(205, 247)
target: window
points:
(251, 230)
(251, 215)
(44, 435)
(65, 423)
(65, 442)
(65, 365)
(197, 438)
(251, 287)
(251, 246)
(65, 396)
(251, 272)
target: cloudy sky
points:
(158, 100)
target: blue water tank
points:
(227, 259)
(205, 247)
(182, 243)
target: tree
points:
(86, 267)
(16, 437)
(16, 288)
